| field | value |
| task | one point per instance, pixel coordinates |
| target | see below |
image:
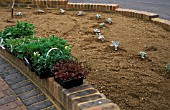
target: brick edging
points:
(84, 97)
(65, 4)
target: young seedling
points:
(109, 20)
(1, 44)
(142, 54)
(115, 44)
(19, 13)
(96, 31)
(98, 16)
(101, 25)
(101, 37)
(40, 11)
(80, 13)
(62, 11)
(168, 67)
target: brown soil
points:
(126, 79)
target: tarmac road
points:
(161, 7)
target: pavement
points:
(17, 92)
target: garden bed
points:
(129, 81)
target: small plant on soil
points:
(62, 11)
(101, 25)
(168, 67)
(40, 11)
(142, 54)
(109, 20)
(98, 16)
(69, 69)
(115, 44)
(80, 13)
(101, 37)
(96, 31)
(19, 13)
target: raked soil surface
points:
(129, 81)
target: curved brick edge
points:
(65, 4)
(137, 14)
(164, 23)
(83, 97)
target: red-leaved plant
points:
(69, 69)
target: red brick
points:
(110, 106)
(18, 102)
(23, 108)
(56, 87)
(74, 102)
(4, 87)
(70, 96)
(2, 94)
(51, 85)
(8, 106)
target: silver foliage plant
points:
(62, 11)
(109, 20)
(19, 13)
(101, 37)
(168, 67)
(114, 44)
(80, 13)
(98, 16)
(101, 25)
(40, 11)
(142, 54)
(96, 31)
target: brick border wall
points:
(84, 97)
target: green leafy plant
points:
(37, 52)
(21, 30)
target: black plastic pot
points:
(8, 50)
(28, 65)
(70, 83)
(44, 74)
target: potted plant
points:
(45, 52)
(69, 73)
(21, 30)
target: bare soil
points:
(129, 81)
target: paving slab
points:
(17, 92)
